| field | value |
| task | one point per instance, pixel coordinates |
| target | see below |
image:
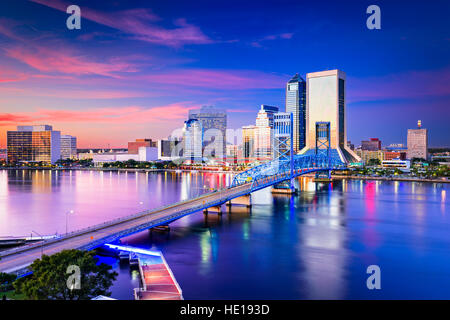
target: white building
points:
(144, 154)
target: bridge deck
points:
(18, 259)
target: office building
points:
(68, 147)
(367, 155)
(248, 142)
(214, 125)
(193, 141)
(418, 142)
(373, 144)
(296, 104)
(34, 144)
(269, 111)
(133, 147)
(325, 102)
(170, 150)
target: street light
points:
(67, 214)
(42, 243)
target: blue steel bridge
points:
(268, 174)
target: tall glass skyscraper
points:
(193, 140)
(326, 103)
(214, 124)
(296, 104)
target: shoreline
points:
(120, 169)
(341, 177)
(338, 177)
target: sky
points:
(135, 68)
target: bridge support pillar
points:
(245, 200)
(215, 209)
(164, 228)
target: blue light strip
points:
(132, 249)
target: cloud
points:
(219, 79)
(280, 36)
(120, 115)
(139, 24)
(63, 61)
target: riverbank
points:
(120, 169)
(340, 177)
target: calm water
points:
(314, 245)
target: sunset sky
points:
(136, 67)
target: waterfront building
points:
(144, 154)
(403, 165)
(418, 142)
(68, 147)
(390, 155)
(34, 144)
(193, 141)
(396, 147)
(214, 125)
(325, 102)
(133, 147)
(296, 104)
(170, 150)
(373, 144)
(367, 155)
(282, 135)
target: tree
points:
(6, 280)
(49, 277)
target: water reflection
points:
(316, 244)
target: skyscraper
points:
(214, 124)
(68, 147)
(296, 104)
(34, 144)
(418, 142)
(193, 141)
(325, 102)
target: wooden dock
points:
(158, 281)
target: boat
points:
(123, 255)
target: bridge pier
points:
(215, 209)
(245, 200)
(163, 228)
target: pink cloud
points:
(139, 24)
(63, 61)
(119, 115)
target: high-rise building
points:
(68, 147)
(34, 144)
(296, 104)
(133, 146)
(373, 144)
(270, 111)
(214, 124)
(325, 102)
(248, 142)
(193, 141)
(169, 150)
(417, 142)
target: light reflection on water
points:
(316, 244)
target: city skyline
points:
(112, 81)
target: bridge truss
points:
(277, 171)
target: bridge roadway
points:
(18, 259)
